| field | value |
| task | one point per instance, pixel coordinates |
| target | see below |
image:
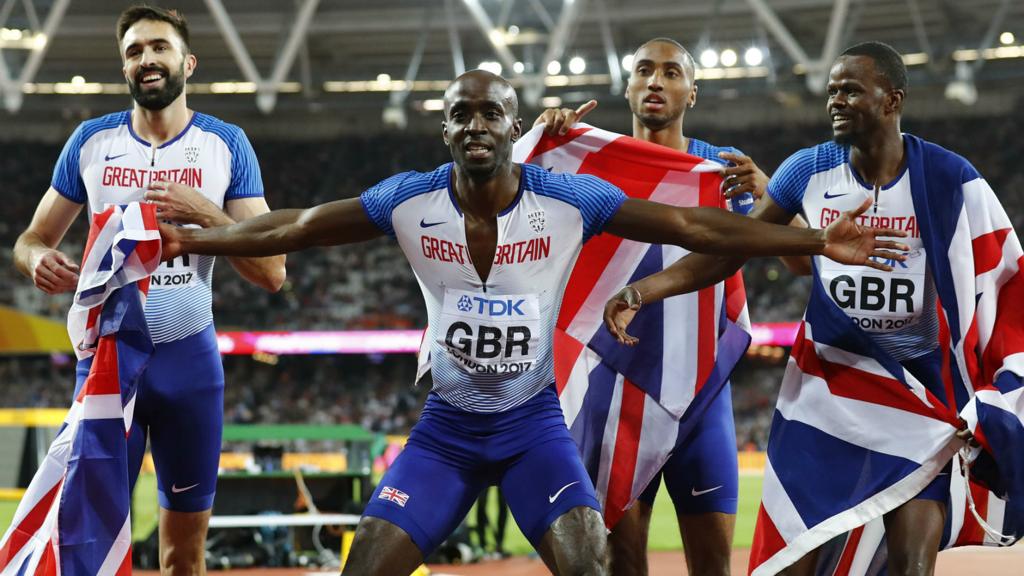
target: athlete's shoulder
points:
(944, 160)
(384, 197)
(708, 151)
(93, 126)
(563, 186)
(231, 134)
(790, 181)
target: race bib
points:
(490, 334)
(178, 272)
(879, 301)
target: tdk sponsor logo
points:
(488, 307)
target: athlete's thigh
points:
(913, 533)
(425, 494)
(627, 541)
(544, 482)
(702, 475)
(381, 549)
(184, 400)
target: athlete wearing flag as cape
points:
(862, 320)
(492, 244)
(197, 170)
(702, 475)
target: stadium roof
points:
(355, 55)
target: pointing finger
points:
(585, 109)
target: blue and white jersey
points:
(105, 162)
(898, 308)
(488, 343)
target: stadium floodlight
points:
(433, 105)
(78, 79)
(513, 30)
(518, 67)
(577, 65)
(383, 79)
(728, 57)
(709, 58)
(753, 56)
(627, 62)
(491, 66)
(1007, 38)
(554, 67)
(551, 101)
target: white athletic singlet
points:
(489, 344)
(105, 162)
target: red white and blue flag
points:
(74, 517)
(855, 435)
(628, 408)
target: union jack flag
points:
(627, 408)
(74, 518)
(849, 408)
(394, 494)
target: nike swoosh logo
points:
(109, 158)
(695, 492)
(177, 490)
(425, 224)
(551, 499)
(829, 197)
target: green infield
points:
(664, 528)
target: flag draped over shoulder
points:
(855, 435)
(74, 518)
(628, 408)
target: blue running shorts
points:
(452, 455)
(702, 475)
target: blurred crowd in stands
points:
(371, 286)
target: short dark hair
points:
(888, 61)
(134, 14)
(688, 61)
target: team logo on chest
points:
(536, 219)
(191, 154)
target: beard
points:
(174, 85)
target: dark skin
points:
(865, 112)
(480, 125)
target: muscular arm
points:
(696, 271)
(35, 251)
(267, 273)
(276, 232)
(712, 231)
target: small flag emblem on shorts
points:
(395, 495)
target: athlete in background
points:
(866, 159)
(191, 166)
(702, 475)
(492, 244)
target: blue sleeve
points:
(67, 174)
(379, 201)
(246, 179)
(789, 182)
(597, 201)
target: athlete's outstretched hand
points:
(619, 312)
(54, 272)
(850, 243)
(170, 241)
(560, 120)
(183, 204)
(743, 176)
